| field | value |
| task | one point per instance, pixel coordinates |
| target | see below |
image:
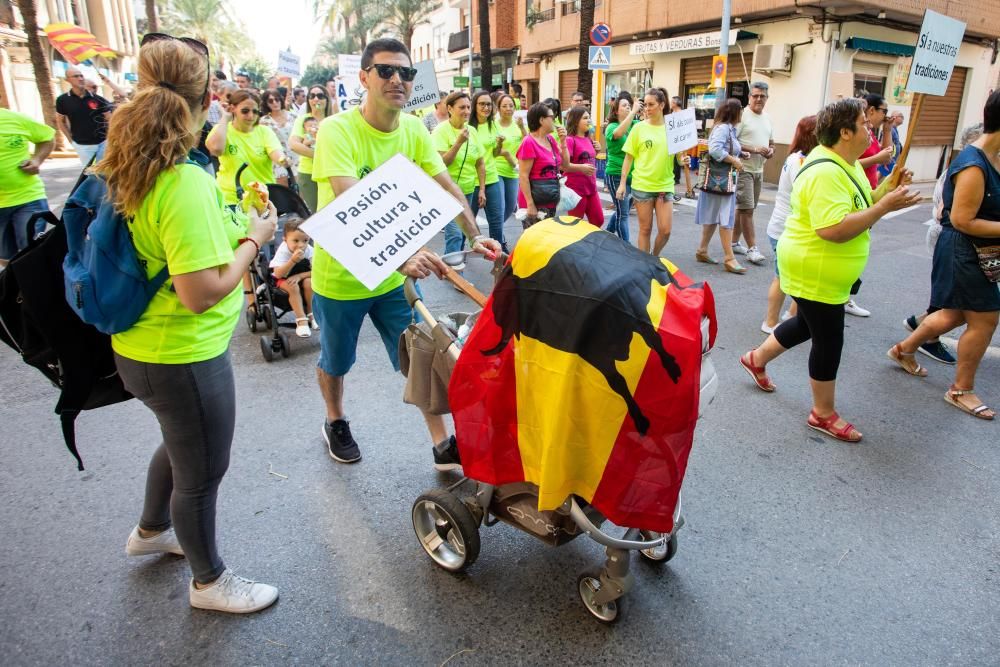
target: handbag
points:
(547, 192)
(988, 252)
(715, 176)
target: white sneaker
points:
(787, 315)
(755, 256)
(852, 308)
(766, 329)
(739, 248)
(163, 543)
(302, 329)
(234, 594)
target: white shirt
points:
(283, 255)
(783, 200)
(754, 130)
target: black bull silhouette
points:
(588, 300)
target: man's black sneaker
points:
(340, 443)
(447, 459)
(938, 352)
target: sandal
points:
(896, 354)
(734, 267)
(705, 258)
(302, 329)
(825, 425)
(758, 373)
(979, 411)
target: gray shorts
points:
(748, 190)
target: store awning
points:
(878, 46)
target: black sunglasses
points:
(317, 96)
(386, 71)
(246, 111)
(196, 46)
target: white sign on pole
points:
(381, 221)
(600, 57)
(288, 63)
(705, 40)
(425, 87)
(349, 89)
(937, 50)
(682, 131)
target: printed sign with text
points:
(682, 131)
(288, 63)
(349, 89)
(937, 50)
(425, 87)
(381, 221)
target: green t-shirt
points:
(653, 167)
(616, 154)
(17, 131)
(305, 163)
(254, 148)
(463, 167)
(183, 223)
(488, 141)
(811, 267)
(347, 146)
(512, 141)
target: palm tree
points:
(585, 78)
(485, 48)
(352, 21)
(40, 64)
(210, 21)
(404, 16)
(152, 22)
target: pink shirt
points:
(581, 151)
(873, 149)
(546, 162)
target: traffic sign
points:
(600, 57)
(460, 82)
(600, 34)
(719, 71)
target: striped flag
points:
(76, 44)
(582, 375)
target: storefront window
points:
(702, 98)
(634, 81)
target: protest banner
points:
(288, 64)
(425, 87)
(381, 221)
(349, 89)
(682, 131)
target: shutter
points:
(870, 69)
(696, 70)
(568, 84)
(938, 121)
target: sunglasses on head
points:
(194, 44)
(386, 71)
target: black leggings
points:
(824, 324)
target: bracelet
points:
(255, 244)
(478, 238)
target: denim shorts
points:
(340, 323)
(774, 253)
(642, 195)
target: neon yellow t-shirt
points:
(254, 148)
(512, 141)
(17, 131)
(347, 146)
(183, 223)
(811, 267)
(488, 141)
(652, 166)
(463, 167)
(305, 163)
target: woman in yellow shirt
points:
(823, 252)
(463, 154)
(175, 359)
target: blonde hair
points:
(152, 132)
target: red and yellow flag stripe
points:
(76, 44)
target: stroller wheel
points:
(268, 319)
(251, 318)
(446, 529)
(659, 554)
(286, 348)
(589, 584)
(265, 348)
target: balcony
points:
(536, 16)
(458, 41)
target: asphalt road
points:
(797, 549)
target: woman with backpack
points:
(175, 358)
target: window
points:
(870, 78)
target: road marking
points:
(900, 211)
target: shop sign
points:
(705, 40)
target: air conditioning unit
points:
(772, 58)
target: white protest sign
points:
(937, 50)
(682, 131)
(381, 221)
(288, 63)
(349, 89)
(425, 87)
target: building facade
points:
(431, 41)
(808, 55)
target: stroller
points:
(447, 521)
(270, 302)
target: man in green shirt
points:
(348, 147)
(22, 193)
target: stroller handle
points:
(454, 260)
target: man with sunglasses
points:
(348, 147)
(83, 117)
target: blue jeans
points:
(510, 187)
(14, 233)
(340, 324)
(618, 222)
(454, 239)
(495, 214)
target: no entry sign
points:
(600, 34)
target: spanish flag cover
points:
(582, 375)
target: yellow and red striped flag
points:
(582, 375)
(76, 44)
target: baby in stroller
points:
(292, 269)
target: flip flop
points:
(897, 355)
(825, 426)
(759, 375)
(976, 412)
